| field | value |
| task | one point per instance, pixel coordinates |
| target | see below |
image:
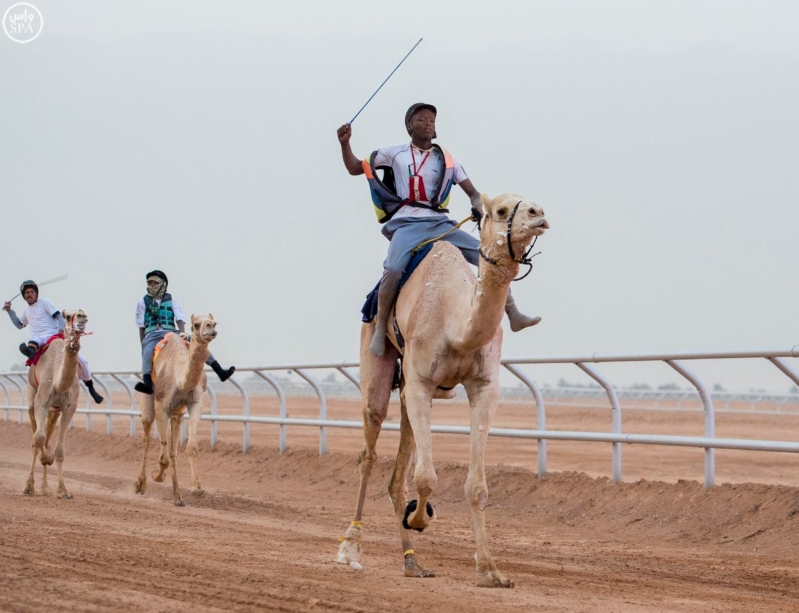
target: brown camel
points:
(450, 322)
(178, 384)
(52, 393)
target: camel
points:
(52, 393)
(450, 321)
(178, 385)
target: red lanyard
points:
(413, 159)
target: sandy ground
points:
(265, 533)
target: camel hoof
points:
(197, 491)
(494, 579)
(28, 491)
(65, 495)
(412, 569)
(410, 509)
(140, 486)
(180, 503)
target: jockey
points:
(45, 321)
(156, 316)
(411, 200)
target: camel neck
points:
(193, 372)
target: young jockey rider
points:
(45, 321)
(411, 200)
(156, 315)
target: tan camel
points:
(178, 384)
(52, 393)
(450, 322)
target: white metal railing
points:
(584, 362)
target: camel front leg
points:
(173, 456)
(66, 416)
(398, 490)
(377, 374)
(419, 402)
(483, 401)
(52, 418)
(163, 438)
(40, 435)
(192, 448)
(29, 485)
(147, 417)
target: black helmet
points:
(159, 274)
(28, 284)
(415, 108)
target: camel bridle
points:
(525, 259)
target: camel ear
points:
(485, 199)
(210, 315)
(192, 319)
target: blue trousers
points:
(406, 233)
(150, 340)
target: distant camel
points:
(178, 383)
(52, 393)
(450, 322)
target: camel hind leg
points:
(483, 401)
(147, 417)
(377, 374)
(398, 491)
(173, 456)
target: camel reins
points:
(416, 249)
(526, 258)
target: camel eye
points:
(502, 212)
(196, 326)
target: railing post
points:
(616, 414)
(245, 444)
(281, 397)
(109, 400)
(214, 413)
(322, 408)
(710, 419)
(8, 399)
(21, 400)
(132, 397)
(541, 417)
(355, 379)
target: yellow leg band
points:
(356, 524)
(408, 552)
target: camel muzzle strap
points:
(526, 259)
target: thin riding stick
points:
(48, 282)
(384, 82)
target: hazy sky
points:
(661, 138)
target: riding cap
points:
(415, 108)
(29, 283)
(159, 274)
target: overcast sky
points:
(661, 139)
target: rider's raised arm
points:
(351, 162)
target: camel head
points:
(203, 328)
(509, 226)
(74, 328)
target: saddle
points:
(40, 352)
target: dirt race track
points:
(264, 535)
